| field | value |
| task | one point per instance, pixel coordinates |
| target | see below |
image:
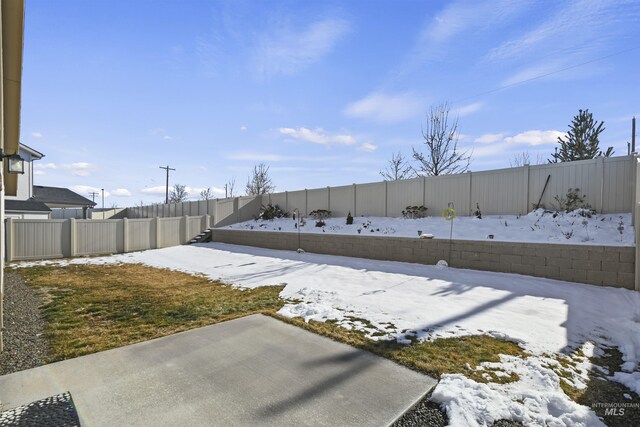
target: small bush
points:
(270, 212)
(478, 212)
(320, 223)
(349, 219)
(572, 201)
(414, 212)
(320, 214)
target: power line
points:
(548, 74)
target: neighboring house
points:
(36, 201)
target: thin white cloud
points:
(286, 51)
(456, 19)
(39, 172)
(77, 168)
(466, 110)
(254, 156)
(45, 166)
(121, 192)
(160, 189)
(535, 137)
(573, 32)
(318, 136)
(531, 72)
(243, 128)
(489, 138)
(37, 134)
(167, 137)
(366, 147)
(386, 108)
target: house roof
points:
(33, 151)
(59, 197)
(25, 206)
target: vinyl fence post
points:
(73, 243)
(156, 226)
(8, 236)
(185, 220)
(207, 222)
(125, 235)
(354, 200)
(636, 213)
(526, 190)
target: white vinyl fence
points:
(222, 211)
(28, 239)
(607, 183)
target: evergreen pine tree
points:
(582, 141)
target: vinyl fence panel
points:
(400, 194)
(297, 200)
(317, 199)
(95, 237)
(441, 190)
(141, 234)
(371, 199)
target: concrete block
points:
(626, 280)
(611, 256)
(581, 253)
(534, 260)
(619, 267)
(521, 269)
(571, 275)
(468, 255)
(553, 251)
(546, 271)
(558, 262)
(608, 278)
(627, 255)
(579, 264)
(511, 259)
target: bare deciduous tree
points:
(206, 194)
(441, 140)
(178, 194)
(524, 158)
(259, 182)
(229, 186)
(398, 168)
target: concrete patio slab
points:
(251, 371)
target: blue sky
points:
(322, 92)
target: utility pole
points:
(166, 197)
(633, 135)
(102, 189)
(93, 195)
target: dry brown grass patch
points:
(92, 308)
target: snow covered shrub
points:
(572, 201)
(349, 219)
(320, 223)
(320, 214)
(270, 212)
(414, 212)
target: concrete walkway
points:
(251, 371)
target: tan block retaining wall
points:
(597, 265)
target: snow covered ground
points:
(536, 227)
(546, 317)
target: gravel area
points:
(424, 414)
(24, 344)
(58, 411)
